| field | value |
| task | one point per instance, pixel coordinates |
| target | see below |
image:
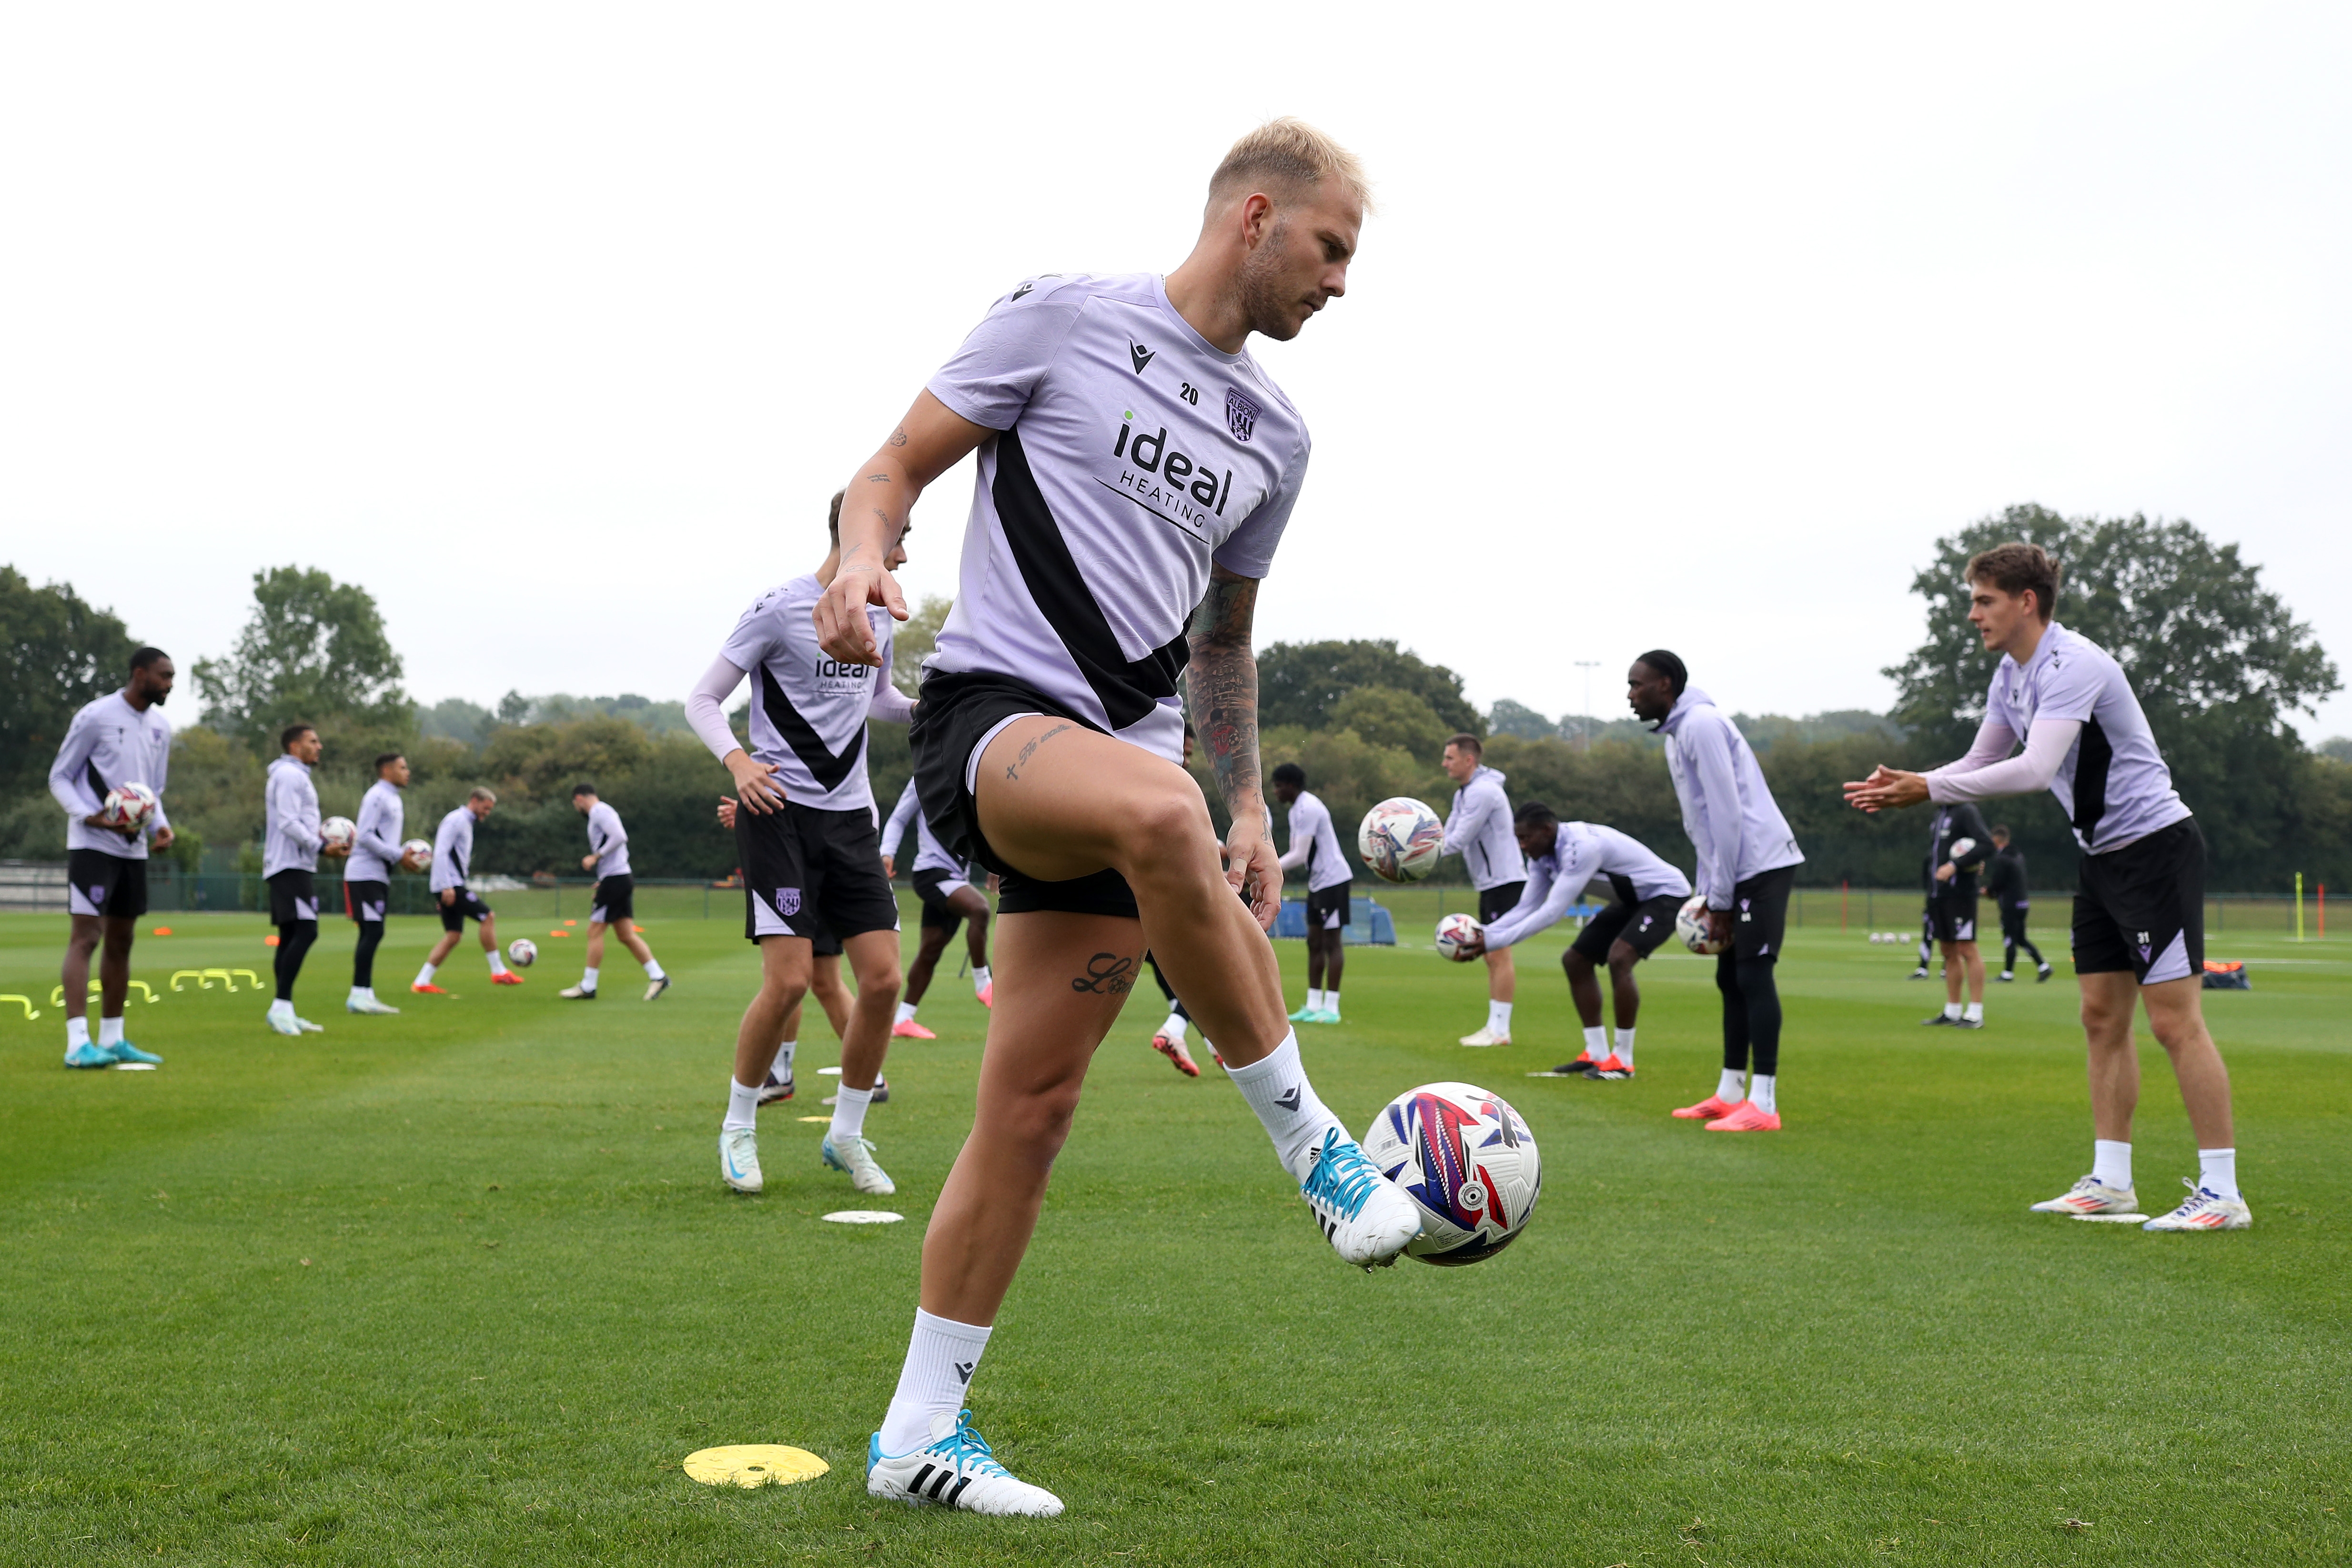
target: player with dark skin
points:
(148, 687)
(966, 901)
(1327, 955)
(1536, 841)
(1651, 694)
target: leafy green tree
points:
(2219, 663)
(916, 638)
(315, 652)
(58, 651)
(1385, 716)
(1300, 683)
(1510, 718)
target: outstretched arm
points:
(928, 442)
(1223, 684)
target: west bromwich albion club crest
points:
(787, 901)
(1241, 413)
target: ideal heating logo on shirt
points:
(1159, 473)
(833, 669)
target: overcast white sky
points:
(1695, 326)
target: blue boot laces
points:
(1342, 1178)
(967, 1450)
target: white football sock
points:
(1974, 1010)
(2111, 1163)
(1330, 1001)
(1173, 1029)
(782, 1067)
(849, 1111)
(498, 965)
(1951, 1009)
(1759, 1091)
(587, 980)
(941, 1356)
(743, 1107)
(906, 1011)
(978, 978)
(1499, 1017)
(1278, 1090)
(2217, 1171)
(76, 1030)
(1732, 1086)
(1596, 1042)
(654, 970)
(281, 1009)
(109, 1031)
(1313, 1000)
(1625, 1047)
(425, 975)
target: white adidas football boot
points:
(2090, 1195)
(738, 1158)
(1367, 1217)
(2204, 1210)
(856, 1155)
(359, 1001)
(954, 1470)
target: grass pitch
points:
(463, 1286)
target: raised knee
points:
(1163, 825)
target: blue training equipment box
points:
(1368, 924)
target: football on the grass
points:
(522, 953)
(1691, 924)
(1456, 931)
(1401, 840)
(128, 805)
(338, 831)
(1467, 1161)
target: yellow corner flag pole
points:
(2298, 906)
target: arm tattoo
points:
(877, 479)
(899, 437)
(1224, 690)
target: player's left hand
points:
(726, 812)
(162, 840)
(1718, 927)
(1944, 872)
(587, 862)
(448, 896)
(1252, 862)
(336, 851)
(1470, 949)
(1886, 789)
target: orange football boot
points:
(908, 1029)
(1710, 1108)
(1746, 1117)
(506, 977)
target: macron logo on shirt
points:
(1142, 355)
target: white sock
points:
(743, 1107)
(1278, 1090)
(281, 1009)
(362, 992)
(1314, 999)
(1499, 1017)
(1625, 1047)
(425, 975)
(2217, 1171)
(498, 965)
(588, 980)
(940, 1359)
(978, 978)
(1173, 1029)
(1596, 1042)
(1732, 1086)
(1330, 1001)
(782, 1069)
(849, 1111)
(2110, 1163)
(76, 1030)
(1974, 1010)
(109, 1031)
(1759, 1091)
(654, 970)
(906, 1011)
(1951, 1009)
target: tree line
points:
(2219, 662)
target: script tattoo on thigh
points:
(1107, 975)
(1013, 772)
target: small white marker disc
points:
(827, 1120)
(134, 1067)
(753, 1465)
(864, 1216)
(2114, 1218)
(829, 1072)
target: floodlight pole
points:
(1587, 664)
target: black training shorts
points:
(2012, 920)
(1952, 919)
(806, 871)
(613, 901)
(2142, 906)
(1328, 908)
(293, 896)
(461, 908)
(932, 888)
(114, 886)
(1759, 914)
(1641, 927)
(1494, 904)
(954, 712)
(366, 901)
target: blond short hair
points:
(1288, 150)
(479, 792)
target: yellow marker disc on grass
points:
(753, 1465)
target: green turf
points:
(463, 1286)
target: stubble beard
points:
(1262, 301)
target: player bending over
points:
(1958, 844)
(1562, 858)
(2005, 881)
(453, 857)
(367, 876)
(291, 845)
(1315, 849)
(114, 739)
(1478, 828)
(2139, 914)
(1747, 862)
(811, 851)
(943, 884)
(612, 901)
(1136, 471)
